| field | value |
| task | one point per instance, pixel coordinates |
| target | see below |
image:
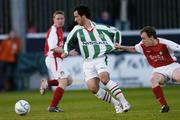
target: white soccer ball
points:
(22, 107)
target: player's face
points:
(59, 20)
(147, 41)
(79, 19)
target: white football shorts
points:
(92, 67)
(167, 70)
(56, 68)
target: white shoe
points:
(43, 86)
(126, 107)
(118, 108)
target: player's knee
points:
(177, 78)
(176, 75)
(93, 89)
(104, 77)
(69, 81)
(104, 80)
(63, 83)
(157, 79)
(154, 81)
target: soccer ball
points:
(22, 107)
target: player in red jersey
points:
(159, 53)
(59, 76)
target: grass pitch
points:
(82, 105)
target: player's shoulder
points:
(163, 40)
(102, 26)
(53, 28)
(140, 43)
(76, 27)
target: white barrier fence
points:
(128, 70)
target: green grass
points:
(82, 105)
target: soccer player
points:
(58, 74)
(159, 53)
(95, 41)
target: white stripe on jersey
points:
(88, 39)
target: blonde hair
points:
(57, 12)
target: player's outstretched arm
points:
(73, 52)
(124, 48)
(57, 50)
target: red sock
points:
(58, 93)
(52, 82)
(159, 95)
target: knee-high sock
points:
(58, 93)
(116, 91)
(105, 96)
(159, 95)
(52, 82)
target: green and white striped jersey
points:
(97, 42)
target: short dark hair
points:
(57, 12)
(149, 30)
(83, 10)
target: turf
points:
(82, 105)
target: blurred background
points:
(24, 23)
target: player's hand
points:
(73, 52)
(116, 46)
(64, 55)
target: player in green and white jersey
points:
(95, 41)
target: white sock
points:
(116, 91)
(105, 96)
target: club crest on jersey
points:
(101, 36)
(82, 36)
(160, 53)
(62, 73)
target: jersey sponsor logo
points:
(157, 57)
(85, 43)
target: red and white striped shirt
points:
(159, 55)
(54, 39)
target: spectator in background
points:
(10, 48)
(105, 19)
(31, 28)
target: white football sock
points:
(105, 96)
(116, 91)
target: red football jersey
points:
(54, 39)
(159, 55)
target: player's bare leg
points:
(158, 92)
(176, 75)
